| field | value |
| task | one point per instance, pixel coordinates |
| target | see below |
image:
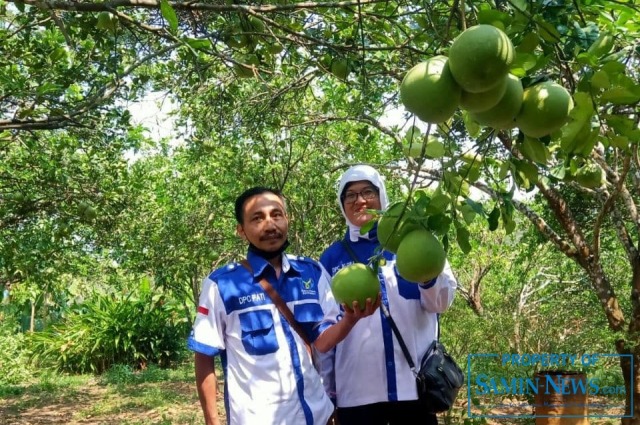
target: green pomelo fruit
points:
(355, 282)
(502, 116)
(545, 108)
(274, 49)
(420, 256)
(429, 91)
(389, 233)
(340, 68)
(243, 71)
(256, 24)
(479, 102)
(480, 58)
(106, 21)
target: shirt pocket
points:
(258, 332)
(308, 316)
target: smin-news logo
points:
(535, 385)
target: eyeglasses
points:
(367, 194)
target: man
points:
(269, 373)
(373, 381)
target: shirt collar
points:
(258, 264)
(353, 233)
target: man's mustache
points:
(270, 236)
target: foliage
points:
(13, 353)
(100, 332)
(122, 374)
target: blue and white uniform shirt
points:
(269, 376)
(370, 354)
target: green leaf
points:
(454, 184)
(534, 150)
(621, 96)
(600, 80)
(438, 204)
(473, 128)
(476, 206)
(529, 43)
(558, 172)
(508, 223)
(547, 31)
(526, 174)
(434, 149)
(439, 223)
(492, 17)
(520, 5)
(367, 226)
(525, 61)
(576, 132)
(620, 142)
(169, 15)
(462, 237)
(471, 171)
(468, 213)
(58, 54)
(198, 43)
(494, 218)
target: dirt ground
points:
(159, 403)
(95, 404)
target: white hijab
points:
(359, 173)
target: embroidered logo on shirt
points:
(203, 310)
(307, 287)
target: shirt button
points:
(389, 364)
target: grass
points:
(153, 396)
(120, 396)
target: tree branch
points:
(55, 122)
(187, 5)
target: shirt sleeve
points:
(437, 295)
(325, 362)
(207, 335)
(330, 309)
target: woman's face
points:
(359, 197)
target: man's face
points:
(264, 223)
(359, 197)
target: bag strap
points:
(281, 305)
(350, 251)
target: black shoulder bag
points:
(439, 378)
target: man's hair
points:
(244, 197)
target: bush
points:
(113, 329)
(13, 355)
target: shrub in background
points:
(13, 355)
(107, 329)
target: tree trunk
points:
(32, 321)
(631, 383)
(632, 346)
